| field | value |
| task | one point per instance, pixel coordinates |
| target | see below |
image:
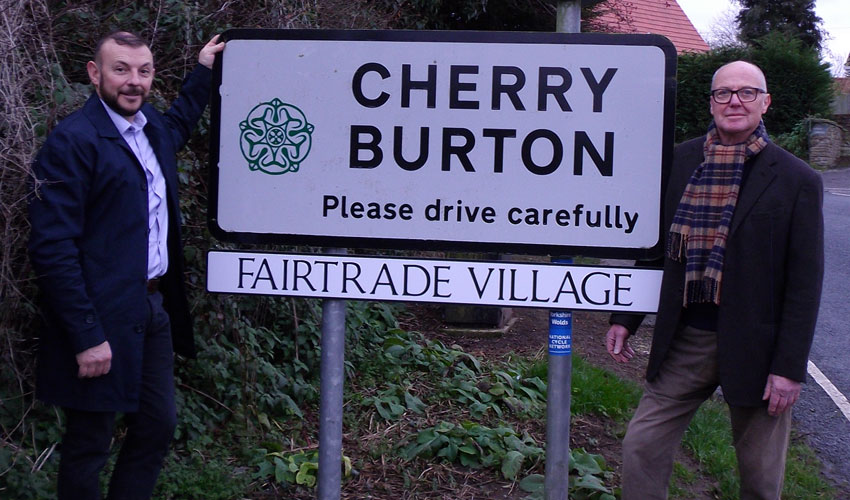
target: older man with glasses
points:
(743, 269)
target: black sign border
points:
(445, 36)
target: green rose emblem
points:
(275, 137)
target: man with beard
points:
(105, 245)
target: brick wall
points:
(843, 120)
(825, 141)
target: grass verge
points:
(709, 440)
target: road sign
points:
(497, 283)
(512, 142)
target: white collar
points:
(139, 120)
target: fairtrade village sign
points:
(505, 284)
(544, 143)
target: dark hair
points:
(121, 38)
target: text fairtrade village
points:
(374, 85)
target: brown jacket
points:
(772, 274)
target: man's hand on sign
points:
(207, 55)
(617, 343)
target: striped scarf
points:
(704, 215)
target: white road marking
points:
(839, 399)
(838, 191)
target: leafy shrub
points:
(693, 78)
(587, 471)
(796, 140)
(799, 83)
(296, 468)
(498, 392)
(196, 476)
(474, 445)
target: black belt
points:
(153, 285)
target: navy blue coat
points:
(88, 246)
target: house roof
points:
(661, 17)
(843, 85)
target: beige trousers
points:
(687, 378)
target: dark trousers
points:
(86, 443)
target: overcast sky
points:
(835, 14)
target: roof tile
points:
(661, 17)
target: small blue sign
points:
(560, 333)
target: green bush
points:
(800, 85)
(797, 140)
(693, 78)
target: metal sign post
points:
(330, 407)
(556, 485)
(559, 380)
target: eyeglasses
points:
(745, 94)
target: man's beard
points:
(111, 100)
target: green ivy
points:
(296, 468)
(476, 446)
(586, 479)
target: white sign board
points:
(506, 284)
(531, 142)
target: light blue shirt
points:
(133, 133)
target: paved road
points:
(816, 415)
